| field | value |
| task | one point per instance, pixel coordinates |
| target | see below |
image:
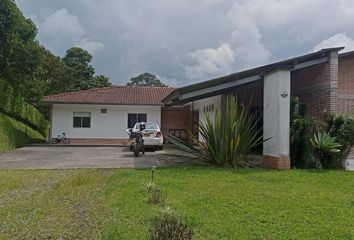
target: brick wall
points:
(176, 121)
(316, 86)
(346, 84)
(250, 92)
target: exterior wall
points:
(346, 85)
(317, 86)
(111, 125)
(176, 121)
(200, 104)
(250, 94)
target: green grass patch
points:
(13, 134)
(217, 203)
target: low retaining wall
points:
(98, 141)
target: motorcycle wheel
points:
(143, 149)
(66, 140)
(136, 150)
(55, 140)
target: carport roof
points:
(115, 95)
(176, 97)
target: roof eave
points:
(111, 104)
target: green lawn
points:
(217, 203)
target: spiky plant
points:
(325, 146)
(227, 138)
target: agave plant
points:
(225, 139)
(325, 143)
(325, 146)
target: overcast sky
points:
(187, 41)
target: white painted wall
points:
(200, 104)
(276, 119)
(113, 124)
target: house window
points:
(103, 110)
(136, 117)
(82, 120)
(209, 108)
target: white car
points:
(152, 134)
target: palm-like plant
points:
(324, 146)
(227, 138)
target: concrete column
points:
(276, 119)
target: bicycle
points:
(61, 139)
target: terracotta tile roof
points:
(115, 95)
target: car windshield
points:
(152, 126)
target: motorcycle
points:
(137, 141)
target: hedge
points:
(14, 134)
(15, 106)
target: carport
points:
(271, 86)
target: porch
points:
(268, 90)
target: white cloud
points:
(157, 35)
(210, 62)
(62, 24)
(337, 40)
(91, 46)
(248, 47)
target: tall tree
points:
(146, 79)
(20, 53)
(100, 81)
(55, 72)
(79, 61)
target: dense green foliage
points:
(14, 134)
(33, 70)
(217, 203)
(14, 105)
(226, 138)
(146, 79)
(302, 129)
(78, 60)
(57, 75)
(341, 127)
(20, 52)
(310, 138)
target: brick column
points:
(333, 79)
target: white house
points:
(103, 115)
(322, 80)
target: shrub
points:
(302, 129)
(170, 226)
(325, 147)
(227, 139)
(15, 106)
(156, 195)
(341, 127)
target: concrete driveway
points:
(84, 157)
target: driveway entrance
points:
(83, 157)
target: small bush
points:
(156, 195)
(170, 226)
